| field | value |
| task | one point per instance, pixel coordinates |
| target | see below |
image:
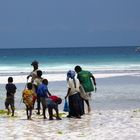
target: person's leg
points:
(13, 111)
(38, 105)
(27, 112)
(30, 113)
(44, 113)
(7, 104)
(8, 110)
(12, 107)
(57, 111)
(50, 112)
(87, 102)
(34, 100)
(7, 107)
(44, 106)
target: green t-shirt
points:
(85, 80)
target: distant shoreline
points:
(62, 76)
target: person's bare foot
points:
(89, 109)
(8, 112)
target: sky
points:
(69, 23)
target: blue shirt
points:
(42, 91)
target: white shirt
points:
(38, 81)
(33, 74)
(72, 86)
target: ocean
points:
(116, 69)
(114, 107)
(60, 60)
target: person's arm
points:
(69, 85)
(28, 76)
(15, 89)
(49, 93)
(68, 91)
(94, 81)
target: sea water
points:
(55, 62)
(60, 60)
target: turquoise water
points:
(62, 59)
(120, 92)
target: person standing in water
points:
(11, 90)
(33, 74)
(38, 81)
(85, 78)
(73, 95)
(28, 99)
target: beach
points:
(115, 114)
(115, 107)
(98, 125)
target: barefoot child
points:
(11, 90)
(28, 99)
(47, 100)
(53, 102)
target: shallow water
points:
(113, 114)
(112, 93)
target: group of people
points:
(79, 91)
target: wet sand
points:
(115, 115)
(98, 125)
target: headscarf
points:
(71, 74)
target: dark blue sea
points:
(57, 60)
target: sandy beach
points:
(98, 125)
(115, 114)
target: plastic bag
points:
(66, 106)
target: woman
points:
(73, 95)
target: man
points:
(38, 81)
(85, 78)
(33, 74)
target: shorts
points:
(52, 104)
(47, 102)
(43, 102)
(9, 101)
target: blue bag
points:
(66, 106)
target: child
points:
(11, 90)
(44, 95)
(53, 102)
(28, 98)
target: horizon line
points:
(71, 47)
